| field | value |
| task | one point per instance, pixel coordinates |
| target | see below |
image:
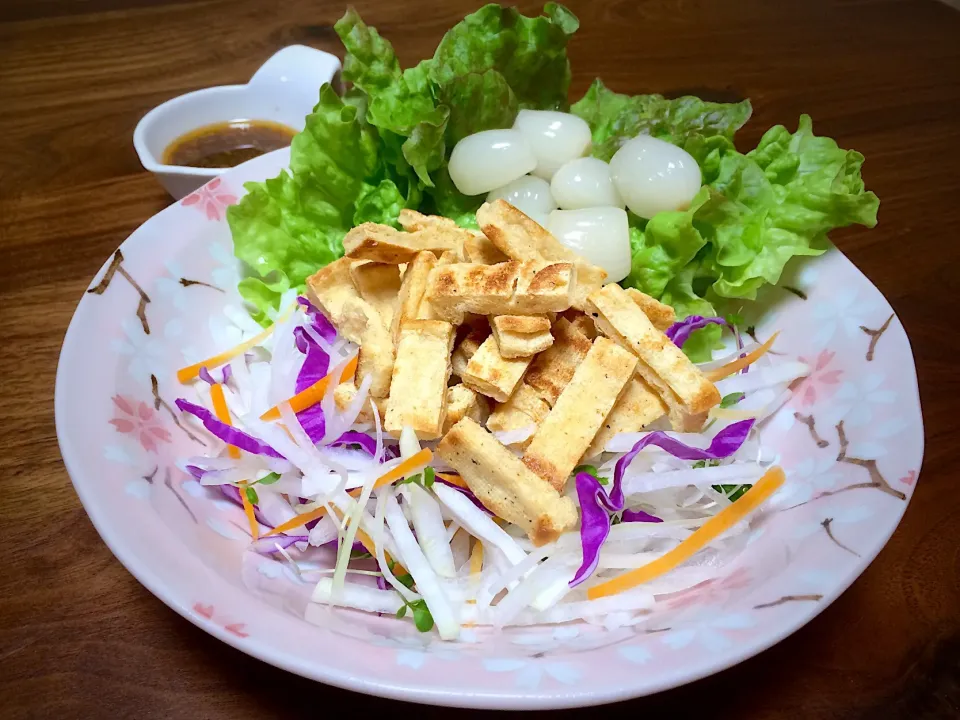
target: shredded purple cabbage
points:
(724, 444)
(596, 505)
(638, 516)
(197, 472)
(320, 323)
(681, 330)
(315, 366)
(366, 442)
(227, 433)
(595, 509)
(208, 378)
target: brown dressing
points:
(227, 144)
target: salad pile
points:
(476, 409)
(386, 144)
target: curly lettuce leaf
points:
(398, 102)
(286, 227)
(756, 212)
(614, 118)
(530, 53)
(488, 96)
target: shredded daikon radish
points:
(431, 532)
(787, 371)
(428, 584)
(354, 596)
(339, 423)
(478, 524)
(378, 532)
(720, 475)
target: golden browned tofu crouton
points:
(662, 316)
(420, 374)
(330, 287)
(412, 289)
(382, 243)
(345, 393)
(525, 408)
(510, 288)
(504, 485)
(552, 369)
(563, 438)
(463, 402)
(637, 407)
(362, 324)
(521, 238)
(379, 285)
(521, 335)
(491, 374)
(467, 347)
(478, 249)
(662, 364)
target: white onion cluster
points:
(540, 166)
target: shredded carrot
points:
(191, 371)
(410, 466)
(476, 558)
(248, 511)
(311, 395)
(454, 480)
(223, 414)
(711, 529)
(740, 363)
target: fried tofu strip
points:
(521, 238)
(509, 288)
(662, 364)
(637, 407)
(420, 374)
(521, 335)
(361, 323)
(523, 409)
(478, 249)
(504, 485)
(583, 323)
(379, 285)
(662, 316)
(344, 394)
(491, 374)
(463, 402)
(467, 348)
(412, 290)
(552, 369)
(563, 438)
(330, 287)
(382, 243)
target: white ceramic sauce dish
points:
(284, 90)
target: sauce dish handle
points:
(299, 67)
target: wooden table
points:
(79, 637)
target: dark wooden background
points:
(79, 637)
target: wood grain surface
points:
(80, 638)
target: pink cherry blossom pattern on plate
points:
(207, 612)
(820, 384)
(138, 419)
(211, 199)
